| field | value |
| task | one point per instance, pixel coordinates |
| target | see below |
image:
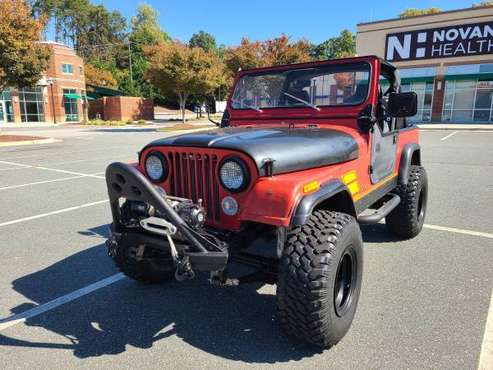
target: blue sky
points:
(315, 20)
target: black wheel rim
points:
(345, 282)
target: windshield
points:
(333, 85)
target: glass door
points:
(3, 112)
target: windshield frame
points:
(301, 66)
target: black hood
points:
(291, 149)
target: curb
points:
(30, 142)
(464, 127)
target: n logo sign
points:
(453, 41)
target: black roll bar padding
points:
(125, 181)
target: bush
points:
(141, 122)
(100, 122)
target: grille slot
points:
(193, 176)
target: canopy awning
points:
(471, 76)
(76, 96)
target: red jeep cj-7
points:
(303, 155)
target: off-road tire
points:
(308, 272)
(155, 267)
(407, 219)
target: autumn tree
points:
(340, 46)
(413, 12)
(99, 77)
(483, 4)
(22, 59)
(180, 71)
(203, 40)
(280, 51)
(277, 51)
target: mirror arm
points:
(367, 118)
(218, 124)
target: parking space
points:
(424, 302)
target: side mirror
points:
(402, 104)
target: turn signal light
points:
(311, 186)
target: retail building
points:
(446, 58)
(60, 95)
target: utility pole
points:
(130, 64)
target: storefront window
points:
(418, 72)
(32, 106)
(6, 107)
(424, 90)
(70, 105)
(468, 101)
(466, 69)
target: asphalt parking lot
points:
(424, 302)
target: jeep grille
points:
(193, 176)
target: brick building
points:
(58, 97)
(121, 108)
(446, 58)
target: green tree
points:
(203, 40)
(180, 71)
(22, 59)
(413, 12)
(145, 32)
(93, 31)
(145, 27)
(341, 46)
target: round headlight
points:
(234, 175)
(156, 167)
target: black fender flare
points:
(308, 203)
(405, 161)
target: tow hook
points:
(218, 279)
(183, 270)
(160, 226)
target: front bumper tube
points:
(125, 181)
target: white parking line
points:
(486, 356)
(459, 231)
(52, 213)
(48, 181)
(22, 317)
(449, 136)
(68, 172)
(15, 164)
(52, 169)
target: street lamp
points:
(50, 82)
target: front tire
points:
(407, 219)
(320, 278)
(144, 264)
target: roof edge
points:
(422, 15)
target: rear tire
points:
(320, 278)
(407, 219)
(154, 266)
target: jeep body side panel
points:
(280, 145)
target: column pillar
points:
(16, 106)
(438, 96)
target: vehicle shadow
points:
(377, 233)
(237, 324)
